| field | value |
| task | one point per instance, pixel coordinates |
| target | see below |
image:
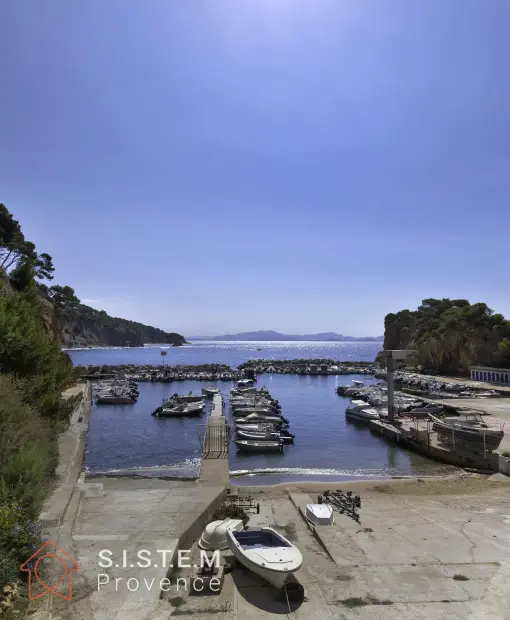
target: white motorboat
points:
(242, 412)
(240, 391)
(244, 383)
(210, 390)
(358, 384)
(361, 410)
(256, 417)
(267, 553)
(320, 514)
(214, 537)
(259, 445)
(282, 435)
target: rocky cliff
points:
(450, 335)
(82, 326)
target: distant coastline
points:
(272, 336)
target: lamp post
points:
(392, 356)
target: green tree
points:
(63, 296)
(16, 252)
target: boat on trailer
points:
(469, 428)
(266, 553)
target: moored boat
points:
(210, 390)
(259, 445)
(267, 553)
(179, 410)
(283, 436)
(361, 410)
(256, 417)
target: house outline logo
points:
(49, 550)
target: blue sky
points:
(268, 164)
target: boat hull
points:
(272, 571)
(259, 446)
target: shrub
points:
(28, 449)
(19, 539)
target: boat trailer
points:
(344, 503)
(246, 503)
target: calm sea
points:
(327, 445)
(231, 353)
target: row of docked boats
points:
(115, 392)
(370, 402)
(259, 424)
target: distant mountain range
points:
(272, 336)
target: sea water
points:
(328, 446)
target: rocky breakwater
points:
(199, 372)
(308, 367)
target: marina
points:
(289, 426)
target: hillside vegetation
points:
(34, 371)
(83, 326)
(451, 335)
(33, 374)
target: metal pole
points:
(390, 367)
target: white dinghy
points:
(320, 514)
(266, 553)
(214, 537)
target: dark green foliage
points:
(30, 353)
(450, 335)
(63, 296)
(28, 449)
(17, 252)
(33, 374)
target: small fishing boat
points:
(244, 383)
(423, 412)
(259, 445)
(187, 398)
(358, 383)
(240, 391)
(253, 418)
(210, 390)
(181, 410)
(320, 514)
(283, 436)
(242, 412)
(266, 553)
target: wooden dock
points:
(214, 467)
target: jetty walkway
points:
(214, 469)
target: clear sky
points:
(297, 165)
